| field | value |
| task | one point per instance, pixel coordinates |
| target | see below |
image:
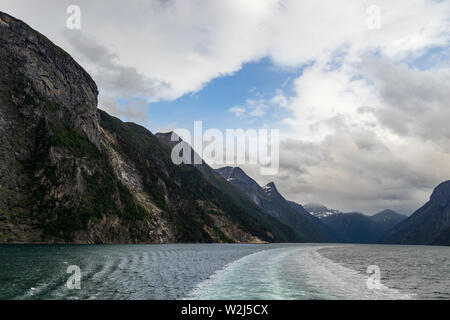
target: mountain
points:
(351, 227)
(428, 225)
(280, 230)
(270, 200)
(388, 219)
(71, 173)
(243, 182)
(354, 227)
(330, 234)
(319, 210)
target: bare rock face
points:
(56, 180)
(36, 66)
(70, 173)
(42, 89)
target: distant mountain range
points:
(355, 227)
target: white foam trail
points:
(342, 282)
(290, 273)
(198, 291)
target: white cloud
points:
(414, 103)
(279, 99)
(238, 111)
(259, 106)
(133, 110)
(185, 44)
(368, 131)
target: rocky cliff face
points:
(69, 173)
(55, 178)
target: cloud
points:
(133, 110)
(238, 111)
(279, 99)
(414, 102)
(355, 169)
(186, 44)
(258, 106)
(368, 116)
(377, 139)
(109, 74)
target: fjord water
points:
(224, 271)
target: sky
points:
(358, 89)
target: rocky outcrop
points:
(70, 173)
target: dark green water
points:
(112, 271)
(224, 271)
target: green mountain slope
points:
(280, 230)
(71, 173)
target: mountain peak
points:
(388, 218)
(319, 210)
(441, 194)
(271, 185)
(315, 206)
(271, 190)
(388, 213)
(233, 173)
(238, 171)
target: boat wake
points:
(290, 273)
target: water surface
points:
(224, 271)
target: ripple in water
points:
(290, 273)
(224, 271)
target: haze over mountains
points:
(71, 173)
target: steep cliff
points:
(72, 173)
